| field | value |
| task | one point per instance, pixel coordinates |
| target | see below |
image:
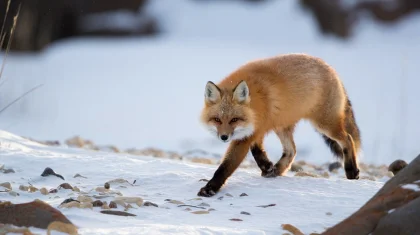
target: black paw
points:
(269, 173)
(206, 191)
(352, 173)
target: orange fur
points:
(274, 94)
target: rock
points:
(292, 229)
(68, 200)
(150, 204)
(106, 186)
(137, 200)
(235, 219)
(79, 176)
(265, 206)
(296, 167)
(203, 204)
(32, 189)
(97, 203)
(396, 166)
(13, 193)
(334, 166)
(6, 185)
(200, 212)
(245, 213)
(394, 209)
(48, 171)
(76, 189)
(229, 195)
(36, 214)
(83, 198)
(328, 213)
(7, 171)
(174, 202)
(112, 204)
(243, 195)
(325, 175)
(23, 188)
(54, 190)
(101, 189)
(65, 186)
(205, 180)
(105, 206)
(44, 191)
(306, 174)
(119, 213)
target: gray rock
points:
(334, 166)
(397, 166)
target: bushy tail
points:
(351, 128)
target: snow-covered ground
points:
(148, 92)
(310, 204)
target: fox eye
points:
(234, 120)
(217, 120)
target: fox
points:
(273, 94)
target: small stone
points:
(265, 206)
(306, 174)
(235, 219)
(106, 186)
(48, 171)
(79, 175)
(69, 204)
(23, 188)
(397, 166)
(245, 213)
(44, 191)
(204, 204)
(6, 185)
(187, 209)
(205, 180)
(112, 204)
(334, 166)
(68, 201)
(101, 189)
(200, 212)
(7, 171)
(76, 189)
(105, 206)
(325, 175)
(220, 198)
(13, 193)
(54, 190)
(150, 204)
(243, 195)
(211, 209)
(97, 203)
(296, 167)
(176, 202)
(137, 200)
(82, 198)
(120, 213)
(229, 195)
(32, 189)
(65, 186)
(328, 213)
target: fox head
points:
(227, 113)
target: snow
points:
(300, 201)
(413, 187)
(148, 92)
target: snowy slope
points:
(300, 201)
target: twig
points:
(12, 30)
(199, 207)
(4, 23)
(20, 97)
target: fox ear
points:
(212, 92)
(241, 92)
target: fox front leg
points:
(234, 156)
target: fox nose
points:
(224, 137)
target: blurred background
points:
(131, 73)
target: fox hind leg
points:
(289, 150)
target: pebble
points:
(23, 188)
(6, 185)
(150, 204)
(306, 174)
(13, 193)
(203, 204)
(105, 206)
(396, 166)
(79, 175)
(200, 212)
(97, 203)
(65, 186)
(229, 195)
(112, 204)
(82, 198)
(245, 213)
(7, 171)
(120, 213)
(44, 191)
(334, 166)
(235, 219)
(243, 195)
(106, 186)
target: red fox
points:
(273, 94)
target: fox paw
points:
(270, 173)
(206, 191)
